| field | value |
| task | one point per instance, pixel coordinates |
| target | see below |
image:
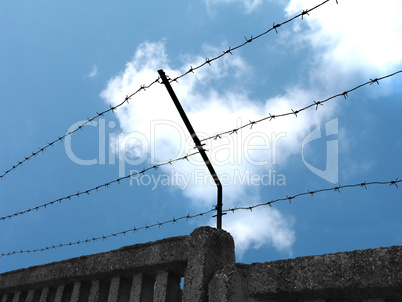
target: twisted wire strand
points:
(249, 40)
(79, 127)
(315, 104)
(104, 237)
(157, 80)
(311, 193)
(88, 191)
(188, 216)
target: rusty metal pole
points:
(198, 145)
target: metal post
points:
(198, 146)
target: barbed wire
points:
(105, 185)
(157, 80)
(79, 127)
(188, 216)
(104, 237)
(295, 112)
(251, 39)
(311, 193)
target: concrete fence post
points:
(209, 250)
(44, 296)
(228, 285)
(119, 290)
(167, 287)
(17, 297)
(114, 290)
(4, 298)
(152, 272)
(59, 293)
(31, 296)
(142, 289)
(94, 291)
(77, 293)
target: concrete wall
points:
(140, 273)
(205, 261)
(373, 275)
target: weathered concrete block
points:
(228, 285)
(209, 250)
(113, 295)
(31, 296)
(47, 294)
(59, 293)
(348, 276)
(5, 297)
(113, 276)
(167, 287)
(153, 271)
(94, 292)
(142, 288)
(17, 297)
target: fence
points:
(373, 275)
(204, 263)
(142, 272)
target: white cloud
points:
(261, 227)
(93, 73)
(354, 37)
(348, 44)
(156, 133)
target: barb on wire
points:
(188, 216)
(79, 127)
(311, 193)
(104, 237)
(305, 12)
(249, 40)
(295, 112)
(105, 185)
(144, 87)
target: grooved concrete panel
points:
(355, 275)
(129, 273)
(364, 275)
(139, 257)
(204, 262)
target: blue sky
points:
(61, 63)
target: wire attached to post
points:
(198, 145)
